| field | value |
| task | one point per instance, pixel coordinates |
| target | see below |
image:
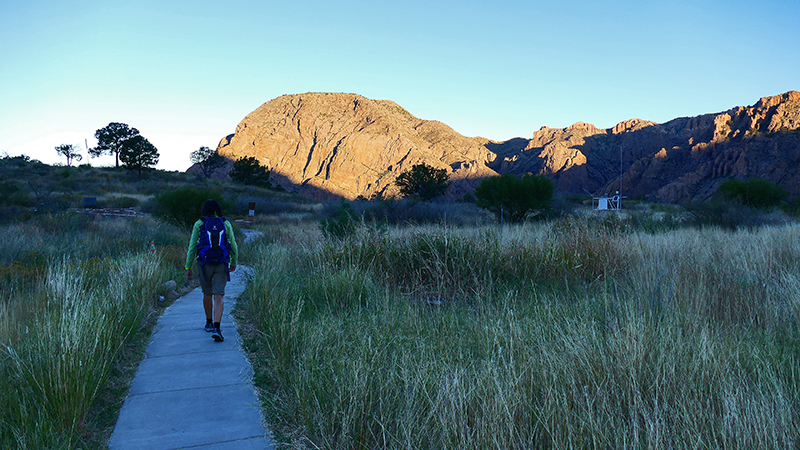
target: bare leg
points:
(219, 306)
(208, 305)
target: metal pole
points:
(619, 203)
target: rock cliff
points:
(346, 145)
(762, 141)
(681, 159)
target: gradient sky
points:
(185, 73)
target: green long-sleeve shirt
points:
(191, 254)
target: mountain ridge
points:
(346, 145)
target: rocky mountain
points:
(345, 145)
(683, 158)
(348, 146)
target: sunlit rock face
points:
(351, 146)
(346, 145)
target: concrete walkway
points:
(192, 392)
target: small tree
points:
(247, 170)
(513, 198)
(208, 160)
(138, 153)
(423, 181)
(110, 139)
(755, 192)
(70, 152)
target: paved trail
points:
(191, 392)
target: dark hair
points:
(210, 208)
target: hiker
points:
(214, 246)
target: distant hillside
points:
(680, 159)
(346, 145)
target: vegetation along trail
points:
(574, 333)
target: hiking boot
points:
(217, 335)
(209, 327)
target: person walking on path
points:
(213, 245)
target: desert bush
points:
(793, 208)
(341, 221)
(7, 189)
(181, 207)
(21, 198)
(249, 171)
(66, 180)
(423, 182)
(755, 192)
(514, 199)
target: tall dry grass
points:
(66, 316)
(559, 335)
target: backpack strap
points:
(200, 263)
(228, 246)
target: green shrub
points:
(21, 198)
(182, 206)
(341, 223)
(793, 208)
(423, 182)
(247, 170)
(7, 189)
(514, 199)
(754, 192)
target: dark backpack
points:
(213, 246)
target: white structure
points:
(606, 203)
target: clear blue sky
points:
(186, 72)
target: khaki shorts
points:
(215, 278)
